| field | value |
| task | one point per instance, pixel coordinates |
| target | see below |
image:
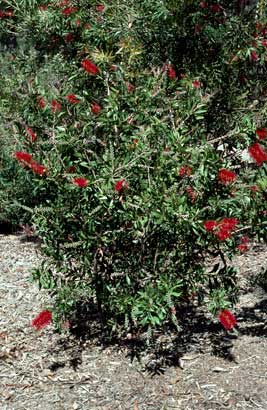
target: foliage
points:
(136, 109)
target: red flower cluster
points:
(191, 193)
(30, 133)
(226, 176)
(243, 246)
(41, 102)
(89, 67)
(262, 133)
(37, 168)
(215, 8)
(100, 8)
(71, 169)
(121, 185)
(4, 14)
(56, 106)
(42, 320)
(69, 10)
(69, 37)
(73, 99)
(227, 319)
(257, 153)
(171, 73)
(222, 229)
(26, 159)
(81, 182)
(203, 5)
(196, 84)
(254, 188)
(23, 157)
(185, 171)
(130, 87)
(95, 108)
(254, 56)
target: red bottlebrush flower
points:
(222, 229)
(262, 133)
(56, 106)
(130, 87)
(254, 56)
(73, 99)
(87, 26)
(215, 8)
(81, 182)
(229, 223)
(264, 43)
(41, 102)
(254, 188)
(225, 228)
(100, 8)
(8, 13)
(171, 73)
(37, 168)
(30, 133)
(191, 193)
(203, 5)
(257, 153)
(42, 7)
(71, 169)
(121, 185)
(223, 234)
(198, 28)
(196, 84)
(243, 247)
(185, 171)
(77, 22)
(226, 176)
(69, 37)
(95, 108)
(23, 156)
(42, 320)
(69, 10)
(210, 225)
(227, 319)
(89, 67)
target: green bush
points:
(138, 117)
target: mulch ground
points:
(202, 368)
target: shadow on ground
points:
(197, 335)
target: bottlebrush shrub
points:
(146, 135)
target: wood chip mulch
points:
(46, 370)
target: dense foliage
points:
(137, 132)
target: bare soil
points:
(203, 368)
